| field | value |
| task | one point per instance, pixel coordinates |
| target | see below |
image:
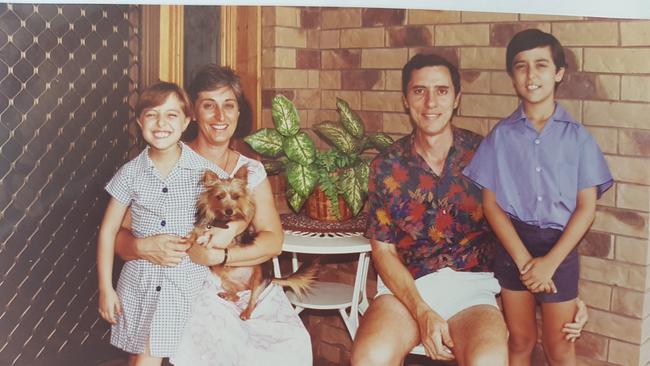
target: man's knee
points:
(488, 355)
(366, 354)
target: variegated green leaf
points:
(336, 135)
(300, 148)
(380, 141)
(295, 199)
(349, 119)
(351, 190)
(285, 116)
(362, 170)
(302, 178)
(267, 142)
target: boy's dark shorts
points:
(539, 241)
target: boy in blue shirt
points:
(541, 173)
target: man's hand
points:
(205, 256)
(217, 237)
(537, 275)
(574, 329)
(434, 334)
(165, 250)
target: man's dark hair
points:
(422, 60)
(533, 38)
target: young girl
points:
(151, 305)
(541, 174)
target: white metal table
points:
(331, 295)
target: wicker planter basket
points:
(319, 207)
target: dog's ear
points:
(210, 178)
(242, 173)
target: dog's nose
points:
(228, 211)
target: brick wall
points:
(313, 55)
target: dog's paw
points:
(245, 315)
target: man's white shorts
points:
(448, 292)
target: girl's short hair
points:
(533, 38)
(156, 94)
(212, 77)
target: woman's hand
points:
(434, 334)
(206, 256)
(165, 250)
(109, 305)
(218, 237)
(537, 275)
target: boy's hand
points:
(109, 305)
(537, 275)
(574, 329)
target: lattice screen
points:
(68, 75)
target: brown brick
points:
(393, 80)
(412, 36)
(313, 38)
(269, 94)
(573, 58)
(624, 222)
(279, 57)
(614, 326)
(307, 59)
(608, 199)
(353, 98)
(606, 138)
(592, 346)
(613, 273)
(330, 79)
(545, 17)
(463, 35)
(372, 120)
(616, 114)
(268, 16)
(362, 37)
(482, 58)
(372, 17)
(473, 81)
(341, 18)
(635, 33)
(583, 85)
(586, 33)
(617, 60)
(623, 353)
(314, 79)
(341, 59)
(397, 123)
(330, 39)
(473, 16)
(290, 37)
(433, 16)
(501, 83)
(595, 244)
(383, 58)
(287, 16)
(478, 125)
(487, 105)
(595, 295)
(634, 142)
(501, 33)
(382, 101)
(632, 250)
(310, 18)
(362, 79)
(449, 53)
(628, 302)
(291, 78)
(629, 169)
(307, 98)
(573, 107)
(633, 196)
(635, 88)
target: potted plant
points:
(341, 171)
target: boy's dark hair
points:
(212, 77)
(156, 94)
(423, 60)
(533, 38)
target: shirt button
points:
(539, 198)
(157, 288)
(537, 141)
(538, 169)
(163, 223)
(164, 190)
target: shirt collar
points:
(411, 156)
(559, 115)
(188, 159)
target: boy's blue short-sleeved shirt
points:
(536, 176)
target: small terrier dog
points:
(225, 200)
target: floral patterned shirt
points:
(435, 221)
